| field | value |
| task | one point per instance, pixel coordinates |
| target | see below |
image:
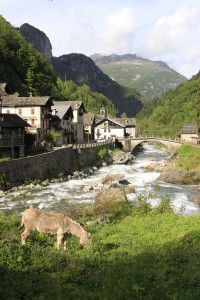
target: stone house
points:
(77, 123)
(107, 129)
(88, 123)
(62, 118)
(35, 110)
(188, 133)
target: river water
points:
(62, 196)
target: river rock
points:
(173, 174)
(114, 177)
(106, 199)
(129, 190)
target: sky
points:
(167, 30)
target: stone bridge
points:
(130, 143)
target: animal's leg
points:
(65, 242)
(59, 240)
(24, 235)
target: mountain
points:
(82, 70)
(37, 38)
(165, 116)
(150, 78)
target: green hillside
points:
(21, 66)
(150, 78)
(165, 116)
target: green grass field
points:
(142, 253)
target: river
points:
(62, 196)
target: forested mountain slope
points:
(150, 78)
(165, 116)
(21, 66)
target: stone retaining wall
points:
(49, 165)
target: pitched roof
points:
(12, 121)
(88, 118)
(61, 110)
(13, 100)
(73, 104)
(189, 128)
(110, 121)
(126, 121)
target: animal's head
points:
(86, 239)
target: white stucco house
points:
(107, 129)
(36, 111)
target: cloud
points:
(118, 31)
(194, 53)
(170, 33)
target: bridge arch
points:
(130, 144)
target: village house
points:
(61, 121)
(107, 129)
(77, 124)
(113, 128)
(188, 133)
(12, 131)
(130, 126)
(35, 110)
(88, 123)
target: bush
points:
(52, 137)
(102, 153)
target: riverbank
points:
(141, 253)
(172, 173)
(184, 168)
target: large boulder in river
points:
(173, 174)
(113, 177)
(106, 200)
(107, 182)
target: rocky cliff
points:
(37, 38)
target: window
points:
(8, 111)
(32, 122)
(20, 111)
(104, 129)
(32, 111)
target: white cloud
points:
(194, 53)
(118, 31)
(171, 33)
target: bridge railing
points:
(153, 138)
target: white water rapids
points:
(60, 196)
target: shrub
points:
(52, 137)
(102, 153)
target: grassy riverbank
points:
(189, 157)
(142, 253)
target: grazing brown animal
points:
(56, 224)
